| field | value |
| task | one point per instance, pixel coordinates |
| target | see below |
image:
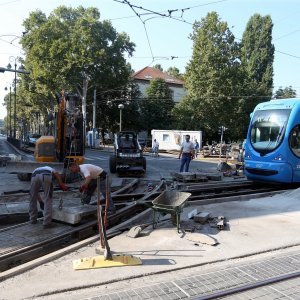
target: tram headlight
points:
(247, 155)
(278, 157)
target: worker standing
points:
(187, 153)
(90, 173)
(155, 148)
(43, 177)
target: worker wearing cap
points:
(90, 173)
(187, 153)
(43, 177)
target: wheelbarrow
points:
(171, 202)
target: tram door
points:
(294, 143)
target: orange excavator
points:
(68, 140)
(67, 143)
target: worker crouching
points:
(90, 173)
(43, 177)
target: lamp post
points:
(15, 103)
(21, 70)
(121, 107)
(9, 109)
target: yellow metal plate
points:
(99, 262)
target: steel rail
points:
(20, 255)
(88, 228)
(244, 288)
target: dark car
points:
(32, 138)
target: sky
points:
(163, 40)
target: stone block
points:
(201, 217)
(192, 213)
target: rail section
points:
(24, 242)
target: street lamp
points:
(121, 107)
(9, 108)
(21, 69)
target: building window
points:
(166, 137)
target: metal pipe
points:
(10, 111)
(15, 104)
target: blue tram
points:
(272, 150)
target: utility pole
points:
(94, 118)
(221, 132)
(84, 94)
(10, 111)
(15, 104)
(121, 107)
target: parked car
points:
(32, 138)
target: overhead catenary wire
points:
(168, 14)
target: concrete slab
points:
(116, 183)
(73, 215)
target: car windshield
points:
(267, 129)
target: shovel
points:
(136, 230)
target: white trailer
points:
(172, 139)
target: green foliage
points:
(110, 113)
(212, 76)
(225, 80)
(287, 92)
(257, 56)
(70, 46)
(174, 72)
(156, 108)
(159, 67)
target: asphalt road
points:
(157, 167)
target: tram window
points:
(267, 129)
(294, 140)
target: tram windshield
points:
(267, 129)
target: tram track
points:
(128, 205)
(246, 288)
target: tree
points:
(287, 92)
(212, 77)
(156, 108)
(159, 67)
(257, 56)
(131, 116)
(174, 72)
(72, 50)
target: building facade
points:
(144, 76)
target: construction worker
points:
(187, 153)
(43, 177)
(155, 148)
(90, 173)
